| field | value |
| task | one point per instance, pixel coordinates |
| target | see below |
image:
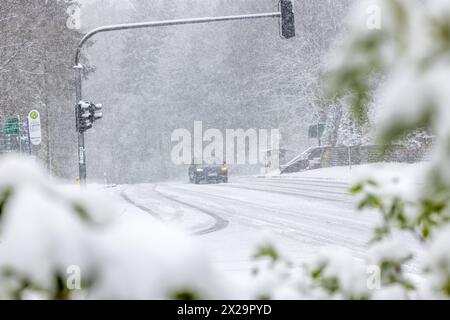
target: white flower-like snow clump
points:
(340, 274)
(439, 265)
(47, 232)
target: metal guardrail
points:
(323, 157)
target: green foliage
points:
(81, 212)
(392, 272)
(440, 31)
(432, 210)
(267, 251)
(185, 294)
(332, 284)
(392, 209)
(20, 283)
(61, 291)
(446, 287)
(4, 197)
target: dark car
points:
(208, 173)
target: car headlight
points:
(224, 169)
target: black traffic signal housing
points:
(86, 114)
(83, 116)
(95, 110)
(287, 20)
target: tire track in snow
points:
(219, 224)
(298, 178)
(296, 187)
(137, 205)
(278, 224)
(232, 199)
(289, 193)
(297, 182)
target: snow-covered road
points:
(300, 213)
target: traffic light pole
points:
(78, 67)
(81, 148)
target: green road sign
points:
(12, 126)
(312, 131)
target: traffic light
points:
(287, 20)
(83, 116)
(86, 114)
(95, 111)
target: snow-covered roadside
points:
(350, 174)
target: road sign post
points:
(287, 30)
(81, 154)
(28, 137)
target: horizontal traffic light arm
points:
(166, 23)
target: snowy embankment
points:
(351, 174)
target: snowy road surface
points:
(301, 213)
